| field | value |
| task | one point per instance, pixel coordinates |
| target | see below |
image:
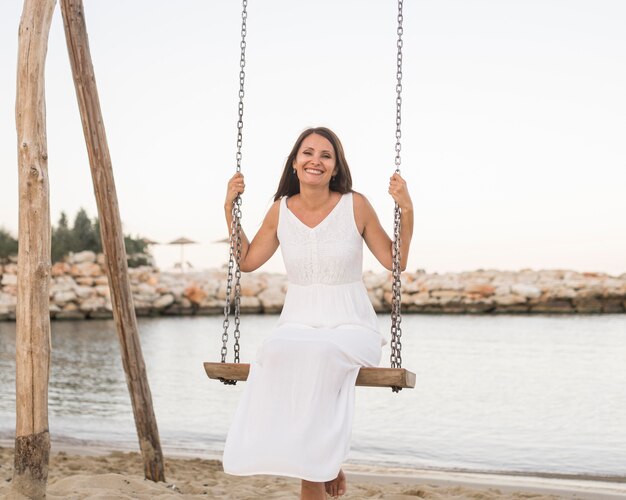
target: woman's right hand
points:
(236, 186)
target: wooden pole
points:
(112, 237)
(32, 349)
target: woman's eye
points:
(307, 153)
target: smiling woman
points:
(327, 331)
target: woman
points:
(295, 415)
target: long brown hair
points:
(341, 183)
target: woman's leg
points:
(337, 486)
(312, 491)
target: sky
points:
(514, 121)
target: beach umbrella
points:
(182, 241)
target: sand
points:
(120, 475)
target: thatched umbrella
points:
(182, 241)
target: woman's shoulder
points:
(360, 201)
(272, 213)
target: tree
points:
(84, 234)
(61, 239)
(8, 244)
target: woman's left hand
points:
(399, 192)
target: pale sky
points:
(514, 120)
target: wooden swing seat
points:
(368, 377)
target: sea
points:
(530, 394)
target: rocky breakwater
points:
(79, 290)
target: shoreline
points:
(79, 290)
(100, 448)
(83, 468)
(432, 483)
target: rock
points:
(509, 300)
(85, 292)
(92, 304)
(612, 306)
(445, 297)
(272, 299)
(8, 300)
(526, 290)
(60, 269)
(10, 269)
(61, 298)
(80, 257)
(418, 299)
(85, 281)
(482, 290)
(100, 314)
(559, 293)
(502, 290)
(374, 280)
(62, 284)
(250, 305)
(163, 301)
(103, 291)
(144, 289)
(251, 287)
(587, 305)
(553, 306)
(9, 279)
(195, 294)
(101, 280)
(86, 269)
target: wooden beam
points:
(32, 348)
(368, 377)
(112, 237)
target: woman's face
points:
(315, 161)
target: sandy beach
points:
(93, 473)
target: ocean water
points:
(494, 393)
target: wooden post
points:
(112, 237)
(32, 347)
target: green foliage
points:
(83, 235)
(62, 237)
(8, 244)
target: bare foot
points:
(337, 486)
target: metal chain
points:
(396, 304)
(235, 227)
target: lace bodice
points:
(331, 253)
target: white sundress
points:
(295, 415)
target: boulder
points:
(587, 305)
(553, 306)
(526, 290)
(92, 304)
(60, 269)
(9, 279)
(61, 298)
(86, 269)
(163, 301)
(250, 305)
(195, 294)
(85, 292)
(482, 290)
(272, 299)
(81, 257)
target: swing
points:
(395, 377)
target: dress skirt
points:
(295, 415)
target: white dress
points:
(295, 415)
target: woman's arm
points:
(264, 244)
(377, 240)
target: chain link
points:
(234, 257)
(396, 303)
